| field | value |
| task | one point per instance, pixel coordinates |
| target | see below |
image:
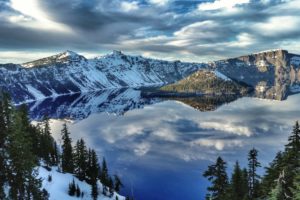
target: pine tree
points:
(81, 159)
(238, 185)
(93, 172)
(118, 183)
(292, 158)
(72, 188)
(279, 193)
(111, 186)
(253, 181)
(296, 188)
(3, 144)
(104, 176)
(244, 186)
(78, 191)
(67, 157)
(22, 177)
(272, 172)
(47, 143)
(216, 174)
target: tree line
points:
(24, 147)
(281, 180)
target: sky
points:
(194, 31)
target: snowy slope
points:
(58, 187)
(68, 73)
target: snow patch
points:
(58, 187)
(36, 93)
(221, 76)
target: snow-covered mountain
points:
(273, 74)
(68, 73)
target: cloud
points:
(129, 6)
(159, 2)
(228, 127)
(221, 4)
(141, 149)
(33, 16)
(189, 30)
(278, 26)
(217, 144)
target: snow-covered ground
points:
(58, 187)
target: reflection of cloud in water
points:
(168, 142)
(180, 132)
(217, 144)
(227, 127)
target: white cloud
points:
(278, 25)
(243, 40)
(129, 6)
(33, 16)
(159, 2)
(221, 4)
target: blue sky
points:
(194, 30)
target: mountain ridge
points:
(270, 73)
(68, 73)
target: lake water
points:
(160, 148)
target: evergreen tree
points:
(111, 186)
(279, 193)
(78, 192)
(22, 177)
(3, 144)
(104, 176)
(296, 188)
(253, 180)
(94, 191)
(118, 183)
(272, 172)
(216, 174)
(72, 188)
(47, 143)
(238, 185)
(291, 158)
(93, 172)
(81, 159)
(67, 157)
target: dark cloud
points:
(171, 29)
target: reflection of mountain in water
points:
(207, 102)
(79, 106)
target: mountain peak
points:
(117, 52)
(68, 54)
(63, 57)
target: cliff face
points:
(273, 74)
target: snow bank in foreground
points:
(58, 187)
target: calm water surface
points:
(161, 151)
